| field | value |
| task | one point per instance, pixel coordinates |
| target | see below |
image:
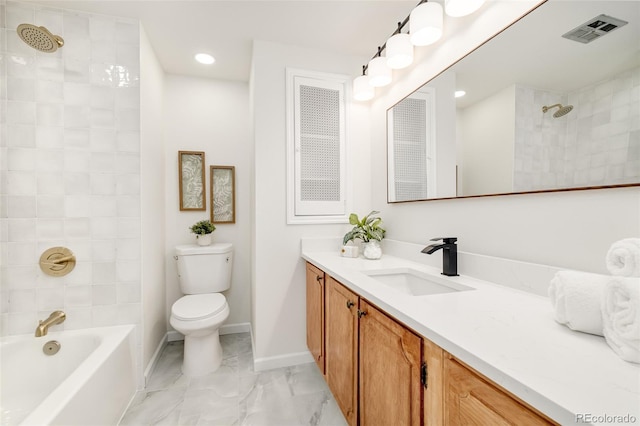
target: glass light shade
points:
(425, 24)
(362, 90)
(458, 8)
(399, 51)
(379, 72)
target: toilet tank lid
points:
(196, 249)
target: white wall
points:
(71, 171)
(486, 135)
(211, 116)
(566, 229)
(152, 197)
(278, 316)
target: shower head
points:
(562, 110)
(39, 38)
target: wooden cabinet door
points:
(315, 314)
(341, 338)
(390, 355)
(433, 358)
(471, 400)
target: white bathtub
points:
(90, 381)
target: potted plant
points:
(203, 230)
(369, 230)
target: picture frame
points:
(223, 194)
(192, 181)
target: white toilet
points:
(203, 272)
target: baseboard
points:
(288, 360)
(243, 327)
(154, 359)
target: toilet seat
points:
(198, 306)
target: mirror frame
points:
(579, 188)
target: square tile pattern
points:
(234, 394)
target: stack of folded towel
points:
(605, 305)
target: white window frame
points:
(428, 94)
(310, 212)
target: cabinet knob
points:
(361, 313)
(350, 304)
(318, 278)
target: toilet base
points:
(202, 354)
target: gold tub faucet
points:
(56, 317)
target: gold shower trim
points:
(57, 261)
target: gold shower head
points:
(39, 38)
(562, 110)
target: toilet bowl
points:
(199, 318)
(203, 273)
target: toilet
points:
(204, 272)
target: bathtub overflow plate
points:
(51, 347)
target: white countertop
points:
(508, 335)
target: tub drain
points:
(51, 347)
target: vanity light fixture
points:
(399, 50)
(362, 90)
(459, 8)
(205, 58)
(425, 23)
(379, 71)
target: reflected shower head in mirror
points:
(562, 110)
(39, 38)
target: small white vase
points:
(204, 240)
(372, 250)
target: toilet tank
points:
(204, 269)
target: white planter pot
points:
(204, 240)
(372, 250)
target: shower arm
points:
(547, 108)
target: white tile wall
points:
(598, 142)
(70, 170)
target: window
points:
(316, 148)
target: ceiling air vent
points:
(594, 28)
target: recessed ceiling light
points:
(205, 58)
(459, 93)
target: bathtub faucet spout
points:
(56, 317)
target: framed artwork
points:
(192, 180)
(223, 194)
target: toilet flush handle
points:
(175, 257)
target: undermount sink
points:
(415, 283)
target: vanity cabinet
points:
(372, 361)
(382, 373)
(315, 314)
(472, 400)
(341, 334)
(390, 360)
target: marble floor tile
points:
(234, 394)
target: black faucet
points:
(449, 254)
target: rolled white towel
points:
(577, 300)
(623, 258)
(621, 317)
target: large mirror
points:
(541, 112)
